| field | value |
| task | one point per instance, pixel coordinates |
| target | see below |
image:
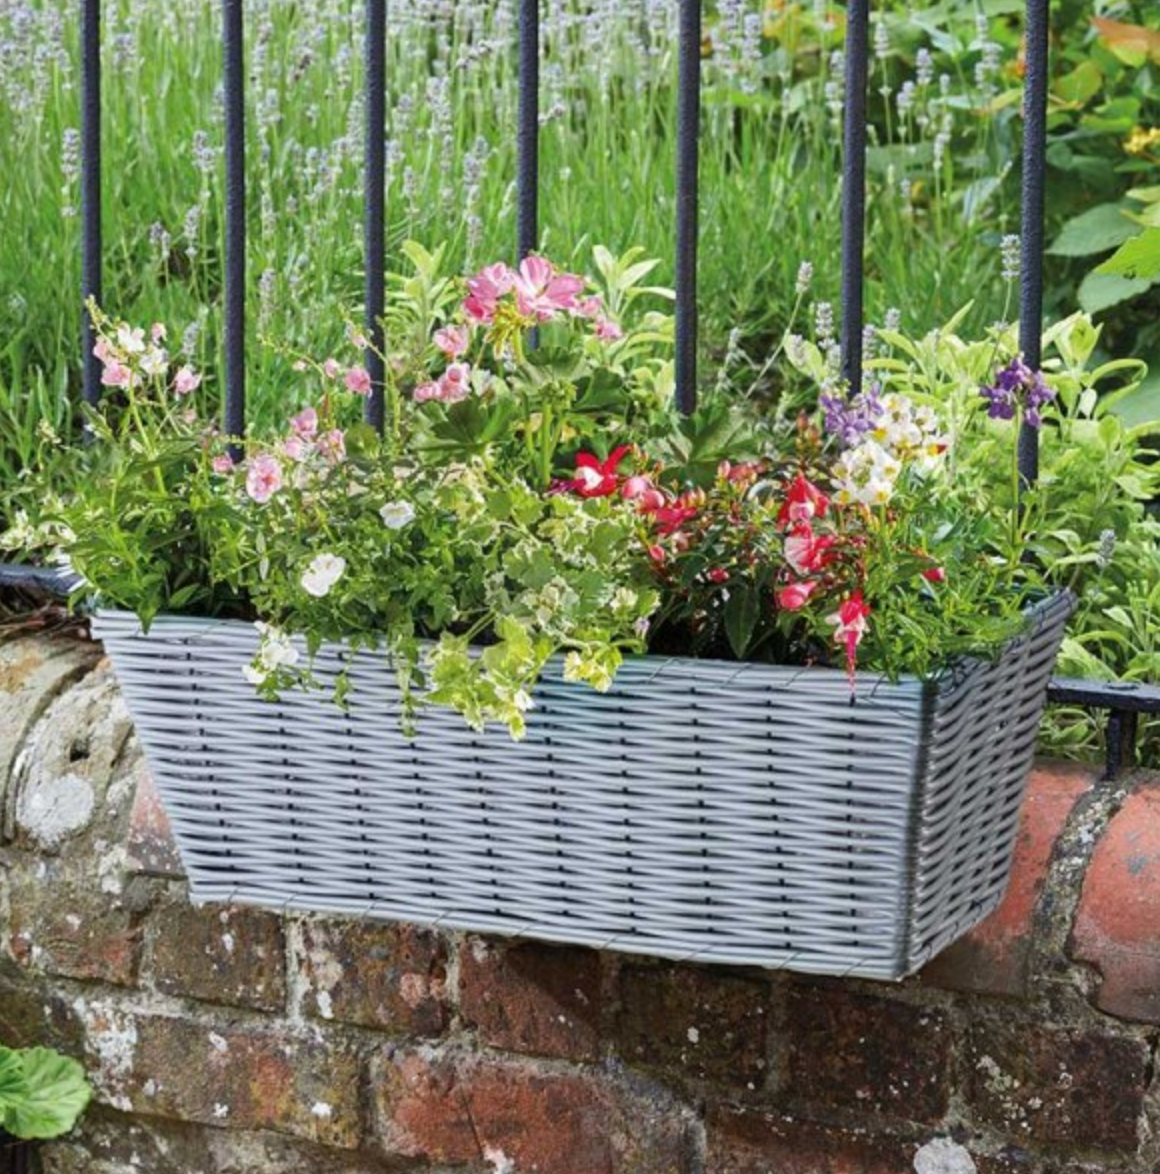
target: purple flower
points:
(1017, 386)
(850, 419)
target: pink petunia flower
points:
(485, 289)
(453, 341)
(116, 374)
(332, 446)
(305, 424)
(455, 383)
(223, 464)
(608, 331)
(295, 448)
(542, 291)
(185, 381)
(358, 380)
(264, 478)
(795, 596)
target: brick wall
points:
(234, 1041)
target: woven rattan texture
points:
(700, 810)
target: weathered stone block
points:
(1117, 926)
(536, 999)
(859, 1052)
(375, 975)
(1036, 1083)
(514, 1118)
(220, 953)
(695, 1022)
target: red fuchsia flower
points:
(223, 464)
(804, 502)
(597, 478)
(743, 471)
(794, 596)
(264, 478)
(484, 291)
(718, 575)
(806, 551)
(305, 424)
(185, 381)
(332, 446)
(116, 374)
(668, 519)
(358, 381)
(453, 341)
(657, 553)
(849, 627)
(542, 291)
(935, 575)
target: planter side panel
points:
(980, 746)
(722, 812)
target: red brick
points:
(1117, 927)
(448, 1109)
(993, 957)
(64, 925)
(741, 1141)
(541, 1000)
(859, 1052)
(150, 847)
(694, 1022)
(375, 975)
(220, 953)
(1033, 1083)
(228, 1077)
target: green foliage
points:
(42, 1093)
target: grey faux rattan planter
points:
(734, 813)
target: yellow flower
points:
(1141, 141)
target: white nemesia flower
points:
(131, 340)
(397, 514)
(321, 575)
(154, 362)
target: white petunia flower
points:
(321, 575)
(397, 514)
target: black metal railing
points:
(1123, 700)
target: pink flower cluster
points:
(451, 387)
(128, 356)
(540, 290)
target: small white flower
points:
(397, 514)
(321, 575)
(254, 675)
(131, 340)
(154, 362)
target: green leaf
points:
(56, 1093)
(1080, 85)
(1136, 259)
(1100, 290)
(13, 1086)
(1094, 231)
(742, 610)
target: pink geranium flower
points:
(485, 289)
(116, 374)
(426, 391)
(455, 383)
(358, 380)
(264, 478)
(453, 340)
(542, 291)
(185, 381)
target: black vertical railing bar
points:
(857, 59)
(375, 201)
(688, 201)
(1031, 228)
(234, 281)
(528, 133)
(90, 192)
